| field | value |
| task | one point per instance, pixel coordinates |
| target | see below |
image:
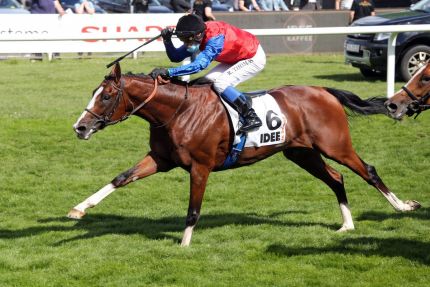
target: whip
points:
(123, 56)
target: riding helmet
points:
(189, 26)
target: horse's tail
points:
(371, 106)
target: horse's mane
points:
(139, 75)
(202, 81)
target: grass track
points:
(275, 228)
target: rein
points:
(418, 105)
(145, 102)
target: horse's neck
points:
(171, 100)
(160, 108)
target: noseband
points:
(106, 119)
(418, 104)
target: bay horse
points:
(190, 128)
(413, 98)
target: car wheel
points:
(370, 73)
(413, 59)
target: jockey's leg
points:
(227, 76)
(243, 107)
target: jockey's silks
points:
(238, 44)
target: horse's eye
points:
(425, 79)
(106, 97)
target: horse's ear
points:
(116, 72)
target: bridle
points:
(417, 105)
(106, 119)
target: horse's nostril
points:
(392, 107)
(80, 129)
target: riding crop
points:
(123, 56)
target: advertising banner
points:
(50, 33)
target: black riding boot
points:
(251, 120)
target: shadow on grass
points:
(364, 246)
(422, 213)
(96, 225)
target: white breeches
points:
(225, 75)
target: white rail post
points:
(391, 64)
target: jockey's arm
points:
(176, 54)
(213, 48)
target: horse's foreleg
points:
(312, 162)
(199, 175)
(78, 211)
(148, 166)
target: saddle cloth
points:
(273, 129)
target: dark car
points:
(368, 52)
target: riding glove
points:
(166, 34)
(164, 73)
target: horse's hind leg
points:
(349, 158)
(310, 160)
(368, 172)
(149, 165)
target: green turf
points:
(273, 227)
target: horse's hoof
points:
(345, 228)
(75, 214)
(185, 244)
(413, 204)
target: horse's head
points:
(413, 98)
(107, 106)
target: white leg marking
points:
(186, 239)
(347, 218)
(399, 205)
(94, 199)
(90, 105)
(394, 201)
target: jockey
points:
(239, 53)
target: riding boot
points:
(244, 108)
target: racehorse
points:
(413, 98)
(190, 128)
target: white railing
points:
(124, 32)
(394, 30)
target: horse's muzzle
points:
(84, 132)
(394, 110)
